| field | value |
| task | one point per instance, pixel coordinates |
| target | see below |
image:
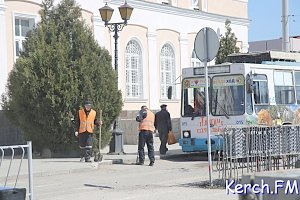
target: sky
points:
(265, 19)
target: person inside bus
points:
(200, 109)
(188, 110)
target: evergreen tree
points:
(60, 67)
(227, 44)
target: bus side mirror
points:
(170, 92)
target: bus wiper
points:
(223, 109)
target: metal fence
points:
(11, 157)
(259, 148)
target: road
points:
(168, 179)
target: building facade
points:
(152, 49)
(275, 45)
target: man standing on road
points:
(163, 124)
(146, 127)
(85, 121)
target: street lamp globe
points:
(106, 13)
(125, 12)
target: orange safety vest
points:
(86, 122)
(148, 123)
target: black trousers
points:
(85, 144)
(146, 137)
(163, 136)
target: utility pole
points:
(285, 27)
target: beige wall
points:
(16, 7)
(222, 7)
(225, 7)
(87, 17)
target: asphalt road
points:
(175, 179)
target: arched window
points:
(167, 70)
(134, 67)
(195, 61)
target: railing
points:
(11, 157)
(259, 148)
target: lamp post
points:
(106, 14)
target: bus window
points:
(228, 95)
(261, 94)
(297, 83)
(194, 102)
(187, 109)
(284, 87)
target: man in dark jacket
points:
(163, 124)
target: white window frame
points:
(167, 56)
(20, 39)
(130, 71)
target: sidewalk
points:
(55, 166)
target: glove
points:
(76, 133)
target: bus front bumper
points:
(200, 144)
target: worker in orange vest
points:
(85, 122)
(146, 128)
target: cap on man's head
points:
(143, 107)
(163, 106)
(87, 103)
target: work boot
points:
(140, 163)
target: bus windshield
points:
(228, 95)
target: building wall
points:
(276, 44)
(21, 9)
(233, 8)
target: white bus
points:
(239, 94)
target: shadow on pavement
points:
(98, 186)
(216, 184)
(184, 157)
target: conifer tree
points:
(60, 66)
(227, 44)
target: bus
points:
(239, 94)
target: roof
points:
(260, 57)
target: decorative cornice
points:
(167, 9)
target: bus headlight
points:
(186, 134)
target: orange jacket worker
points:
(146, 127)
(85, 122)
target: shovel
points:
(99, 156)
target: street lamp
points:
(106, 14)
